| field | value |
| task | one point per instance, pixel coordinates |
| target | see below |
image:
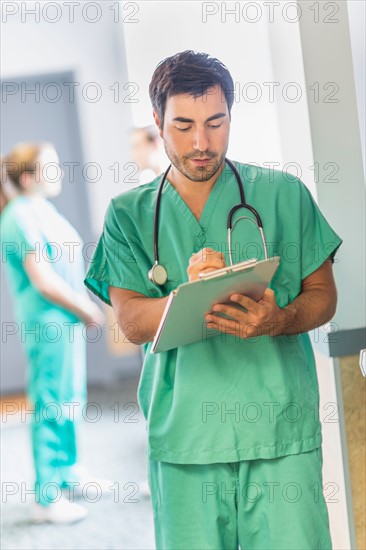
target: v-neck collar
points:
(202, 224)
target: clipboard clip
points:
(227, 269)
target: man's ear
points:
(158, 123)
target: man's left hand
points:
(258, 318)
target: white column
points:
(321, 134)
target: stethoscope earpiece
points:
(158, 274)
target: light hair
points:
(22, 158)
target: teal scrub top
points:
(32, 223)
(224, 399)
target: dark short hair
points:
(188, 72)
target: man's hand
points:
(258, 318)
(313, 307)
(206, 259)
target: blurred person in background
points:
(3, 198)
(51, 307)
(147, 151)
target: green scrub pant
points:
(263, 504)
(56, 387)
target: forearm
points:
(311, 309)
(141, 320)
(60, 293)
(55, 289)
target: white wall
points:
(165, 28)
(357, 18)
(335, 138)
(95, 51)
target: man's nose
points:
(200, 142)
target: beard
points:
(196, 173)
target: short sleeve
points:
(114, 262)
(319, 240)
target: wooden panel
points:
(354, 396)
(117, 342)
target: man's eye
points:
(183, 129)
(215, 125)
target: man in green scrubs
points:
(234, 437)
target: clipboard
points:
(183, 321)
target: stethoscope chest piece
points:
(158, 274)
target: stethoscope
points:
(158, 274)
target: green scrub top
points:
(32, 223)
(223, 399)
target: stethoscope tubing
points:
(243, 204)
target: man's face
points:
(196, 128)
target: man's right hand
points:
(206, 259)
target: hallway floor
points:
(111, 447)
